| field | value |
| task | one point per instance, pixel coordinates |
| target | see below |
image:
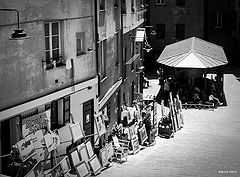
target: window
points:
(53, 44)
(124, 7)
(160, 28)
(102, 4)
(218, 19)
(180, 3)
(60, 113)
(80, 44)
(102, 58)
(180, 31)
(116, 4)
(160, 2)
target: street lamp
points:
(18, 34)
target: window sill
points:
(102, 10)
(81, 54)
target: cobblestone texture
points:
(207, 146)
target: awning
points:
(140, 34)
(193, 53)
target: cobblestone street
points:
(207, 145)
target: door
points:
(88, 118)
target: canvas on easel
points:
(76, 131)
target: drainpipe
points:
(121, 39)
(96, 43)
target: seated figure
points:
(214, 99)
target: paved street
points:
(207, 145)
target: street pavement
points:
(207, 146)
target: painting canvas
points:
(52, 141)
(110, 150)
(135, 145)
(65, 165)
(103, 157)
(26, 148)
(65, 133)
(38, 142)
(82, 151)
(132, 132)
(95, 164)
(101, 128)
(82, 169)
(89, 148)
(143, 134)
(76, 131)
(75, 157)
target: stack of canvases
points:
(172, 118)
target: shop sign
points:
(34, 123)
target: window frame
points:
(80, 36)
(160, 2)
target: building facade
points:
(171, 21)
(118, 55)
(53, 74)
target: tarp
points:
(193, 53)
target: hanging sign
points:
(34, 123)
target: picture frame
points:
(100, 124)
(82, 151)
(135, 145)
(95, 164)
(26, 148)
(52, 141)
(142, 134)
(89, 148)
(76, 131)
(75, 157)
(110, 150)
(64, 133)
(132, 131)
(65, 164)
(82, 169)
(103, 156)
(57, 171)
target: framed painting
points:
(135, 145)
(75, 157)
(142, 134)
(57, 171)
(95, 164)
(82, 169)
(82, 151)
(89, 148)
(100, 124)
(26, 148)
(132, 132)
(65, 133)
(65, 165)
(103, 157)
(76, 131)
(52, 141)
(110, 150)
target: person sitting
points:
(214, 99)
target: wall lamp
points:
(18, 34)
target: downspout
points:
(96, 44)
(121, 39)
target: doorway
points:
(88, 118)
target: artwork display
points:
(26, 148)
(75, 157)
(57, 171)
(82, 151)
(76, 131)
(143, 134)
(65, 165)
(82, 169)
(103, 157)
(135, 145)
(89, 148)
(38, 142)
(52, 141)
(110, 150)
(65, 133)
(95, 164)
(133, 131)
(101, 128)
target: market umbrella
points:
(193, 53)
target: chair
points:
(121, 148)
